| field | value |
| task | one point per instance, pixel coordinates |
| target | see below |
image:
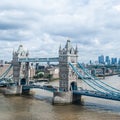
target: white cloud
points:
(117, 7)
(42, 25)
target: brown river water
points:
(27, 108)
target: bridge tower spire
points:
(67, 77)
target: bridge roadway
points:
(55, 59)
(48, 88)
(90, 93)
(98, 94)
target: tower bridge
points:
(69, 72)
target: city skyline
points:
(105, 59)
(42, 26)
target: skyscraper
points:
(107, 60)
(101, 59)
(113, 60)
(119, 61)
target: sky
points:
(42, 25)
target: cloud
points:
(42, 25)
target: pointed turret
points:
(68, 45)
(27, 53)
(20, 49)
(60, 48)
(76, 50)
(13, 52)
(21, 52)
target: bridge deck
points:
(81, 92)
(98, 94)
(55, 59)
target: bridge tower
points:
(18, 67)
(68, 79)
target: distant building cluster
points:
(46, 69)
(106, 60)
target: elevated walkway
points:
(55, 59)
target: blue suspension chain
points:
(98, 79)
(6, 72)
(76, 71)
(101, 87)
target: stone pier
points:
(66, 98)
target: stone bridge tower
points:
(19, 68)
(67, 77)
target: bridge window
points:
(72, 60)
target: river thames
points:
(27, 108)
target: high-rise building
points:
(90, 62)
(101, 59)
(119, 61)
(107, 60)
(113, 60)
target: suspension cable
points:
(76, 71)
(6, 72)
(101, 87)
(98, 79)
